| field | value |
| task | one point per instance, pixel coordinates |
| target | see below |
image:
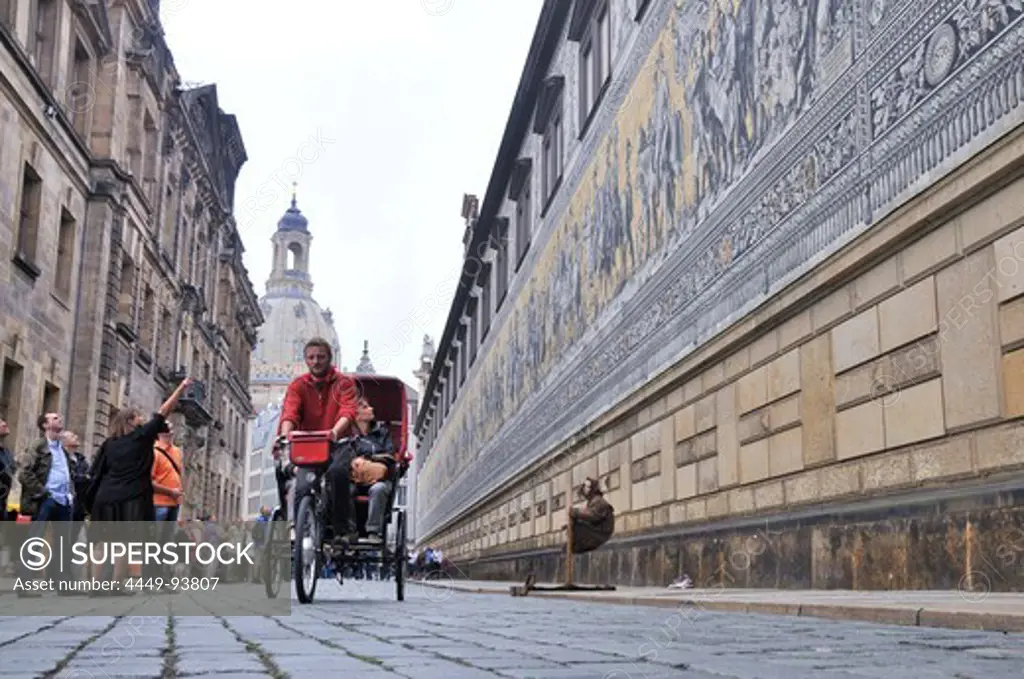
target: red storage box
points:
(310, 448)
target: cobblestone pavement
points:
(361, 631)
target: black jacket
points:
(81, 477)
(7, 473)
(376, 442)
(123, 466)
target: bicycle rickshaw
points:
(298, 537)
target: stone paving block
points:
(569, 655)
(468, 652)
(502, 663)
(142, 668)
(448, 671)
(212, 662)
(28, 663)
(402, 661)
(290, 646)
(301, 665)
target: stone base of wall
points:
(969, 538)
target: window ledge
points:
(61, 300)
(144, 360)
(126, 332)
(522, 255)
(551, 197)
(597, 105)
(29, 268)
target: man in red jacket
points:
(325, 399)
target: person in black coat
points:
(122, 484)
(372, 441)
(7, 470)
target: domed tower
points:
(292, 316)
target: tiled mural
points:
(740, 140)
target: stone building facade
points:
(759, 268)
(122, 269)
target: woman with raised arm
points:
(122, 485)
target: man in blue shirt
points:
(47, 490)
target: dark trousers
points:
(59, 517)
(587, 538)
(343, 513)
(167, 523)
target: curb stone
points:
(913, 616)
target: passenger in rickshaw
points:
(373, 468)
(321, 400)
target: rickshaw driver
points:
(325, 399)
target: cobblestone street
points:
(361, 631)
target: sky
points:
(385, 113)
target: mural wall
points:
(746, 138)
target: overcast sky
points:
(408, 99)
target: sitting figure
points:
(593, 524)
(372, 467)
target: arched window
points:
(296, 259)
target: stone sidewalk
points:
(359, 630)
(990, 611)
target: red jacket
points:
(317, 404)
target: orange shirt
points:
(164, 474)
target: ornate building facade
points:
(122, 265)
(758, 268)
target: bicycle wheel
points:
(306, 550)
(275, 551)
(400, 556)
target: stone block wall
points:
(860, 430)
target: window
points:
(501, 245)
(165, 343)
(42, 37)
(552, 150)
(51, 398)
(7, 12)
(150, 139)
(10, 399)
(65, 255)
(463, 355)
(80, 101)
(473, 334)
(134, 145)
(524, 229)
(126, 297)
(485, 302)
(147, 322)
(595, 63)
(28, 224)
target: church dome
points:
(293, 219)
(291, 321)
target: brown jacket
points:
(34, 465)
(366, 472)
(599, 515)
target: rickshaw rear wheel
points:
(274, 554)
(306, 550)
(400, 556)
